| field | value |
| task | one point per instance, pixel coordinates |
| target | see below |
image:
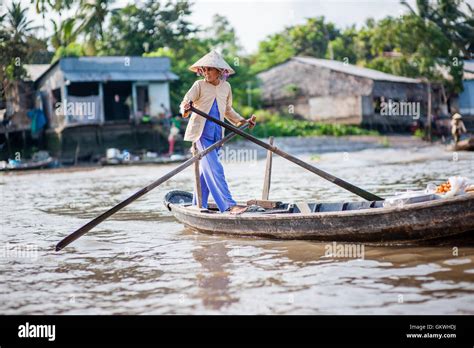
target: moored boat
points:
(158, 160)
(30, 165)
(365, 221)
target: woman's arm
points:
(191, 95)
(230, 113)
(234, 116)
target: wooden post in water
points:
(76, 153)
(23, 138)
(430, 131)
(9, 147)
(197, 178)
(268, 173)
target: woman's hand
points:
(252, 121)
(187, 109)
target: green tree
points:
(64, 39)
(15, 30)
(362, 43)
(222, 36)
(135, 30)
(454, 21)
(43, 6)
(18, 46)
(92, 14)
(274, 50)
(310, 39)
(410, 46)
(455, 24)
(73, 49)
(343, 47)
(37, 51)
(64, 33)
(313, 37)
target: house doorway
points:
(117, 100)
(143, 101)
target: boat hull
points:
(415, 222)
(463, 145)
(30, 165)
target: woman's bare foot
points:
(237, 209)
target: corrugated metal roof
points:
(87, 76)
(120, 68)
(355, 70)
(469, 66)
(35, 70)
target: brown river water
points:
(142, 261)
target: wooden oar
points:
(344, 184)
(91, 224)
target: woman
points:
(212, 95)
(457, 127)
(174, 132)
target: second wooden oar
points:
(91, 224)
(335, 180)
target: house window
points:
(83, 89)
(56, 93)
(83, 103)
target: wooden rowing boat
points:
(463, 145)
(347, 221)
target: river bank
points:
(294, 145)
(326, 144)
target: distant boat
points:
(363, 222)
(30, 165)
(152, 160)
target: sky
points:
(255, 20)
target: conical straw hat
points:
(456, 116)
(214, 60)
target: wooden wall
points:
(320, 94)
(315, 93)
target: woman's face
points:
(210, 74)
